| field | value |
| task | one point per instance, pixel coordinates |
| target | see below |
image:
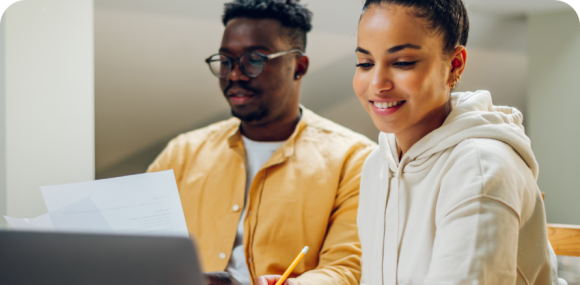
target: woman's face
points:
(402, 78)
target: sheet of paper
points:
(81, 216)
(40, 223)
(138, 204)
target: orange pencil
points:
(292, 266)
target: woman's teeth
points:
(385, 105)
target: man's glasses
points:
(252, 64)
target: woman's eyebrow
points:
(402, 47)
(362, 50)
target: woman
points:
(450, 194)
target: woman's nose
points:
(382, 80)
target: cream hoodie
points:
(461, 207)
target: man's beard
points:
(262, 111)
(252, 116)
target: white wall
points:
(2, 126)
(49, 101)
(553, 116)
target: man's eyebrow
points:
(362, 50)
(247, 49)
(402, 47)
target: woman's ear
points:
(458, 60)
(301, 67)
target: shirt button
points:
(236, 208)
(250, 212)
(222, 255)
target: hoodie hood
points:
(472, 116)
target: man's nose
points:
(237, 74)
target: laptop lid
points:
(67, 258)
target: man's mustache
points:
(240, 85)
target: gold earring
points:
(452, 85)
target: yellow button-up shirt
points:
(305, 195)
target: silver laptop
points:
(86, 259)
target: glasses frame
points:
(237, 60)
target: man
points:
(259, 187)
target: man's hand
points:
(271, 280)
(220, 278)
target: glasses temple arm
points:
(278, 54)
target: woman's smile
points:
(386, 107)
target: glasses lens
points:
(220, 66)
(253, 64)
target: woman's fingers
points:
(270, 280)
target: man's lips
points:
(239, 92)
(239, 96)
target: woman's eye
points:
(405, 64)
(364, 66)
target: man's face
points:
(269, 96)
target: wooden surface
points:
(565, 239)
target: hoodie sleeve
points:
(477, 241)
(487, 203)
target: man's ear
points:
(301, 66)
(458, 60)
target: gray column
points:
(553, 116)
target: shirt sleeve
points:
(339, 260)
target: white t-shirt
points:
(257, 154)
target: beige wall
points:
(554, 119)
(152, 83)
(48, 122)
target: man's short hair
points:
(293, 17)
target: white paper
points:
(81, 216)
(146, 204)
(40, 223)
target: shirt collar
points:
(235, 136)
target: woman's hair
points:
(446, 17)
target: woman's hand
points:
(271, 280)
(220, 278)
